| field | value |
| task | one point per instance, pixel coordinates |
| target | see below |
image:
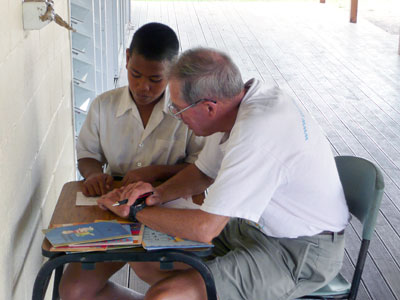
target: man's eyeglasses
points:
(176, 113)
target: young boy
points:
(130, 131)
(129, 128)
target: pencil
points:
(121, 202)
(138, 200)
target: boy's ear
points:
(128, 56)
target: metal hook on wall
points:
(37, 14)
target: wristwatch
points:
(139, 204)
(134, 209)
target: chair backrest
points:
(363, 188)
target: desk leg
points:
(57, 279)
(40, 285)
(43, 277)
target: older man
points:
(275, 208)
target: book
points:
(135, 240)
(155, 240)
(86, 233)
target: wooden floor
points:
(346, 75)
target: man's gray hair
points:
(206, 73)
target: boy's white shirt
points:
(113, 132)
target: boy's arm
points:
(90, 155)
(89, 166)
(190, 181)
(153, 173)
(161, 173)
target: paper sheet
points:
(82, 200)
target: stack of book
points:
(96, 236)
(110, 235)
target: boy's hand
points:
(97, 184)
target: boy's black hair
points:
(155, 41)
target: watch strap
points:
(134, 209)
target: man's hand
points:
(97, 184)
(130, 192)
(146, 174)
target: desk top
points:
(67, 212)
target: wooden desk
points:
(67, 212)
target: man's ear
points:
(128, 56)
(211, 108)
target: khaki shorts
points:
(247, 264)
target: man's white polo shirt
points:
(276, 168)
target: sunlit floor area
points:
(346, 75)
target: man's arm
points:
(190, 181)
(190, 224)
(186, 223)
(96, 182)
(193, 224)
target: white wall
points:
(36, 140)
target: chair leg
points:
(362, 256)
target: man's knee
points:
(158, 292)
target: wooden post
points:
(353, 11)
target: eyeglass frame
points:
(176, 115)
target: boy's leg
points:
(77, 283)
(183, 285)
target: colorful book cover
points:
(135, 240)
(86, 233)
(136, 230)
(155, 240)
